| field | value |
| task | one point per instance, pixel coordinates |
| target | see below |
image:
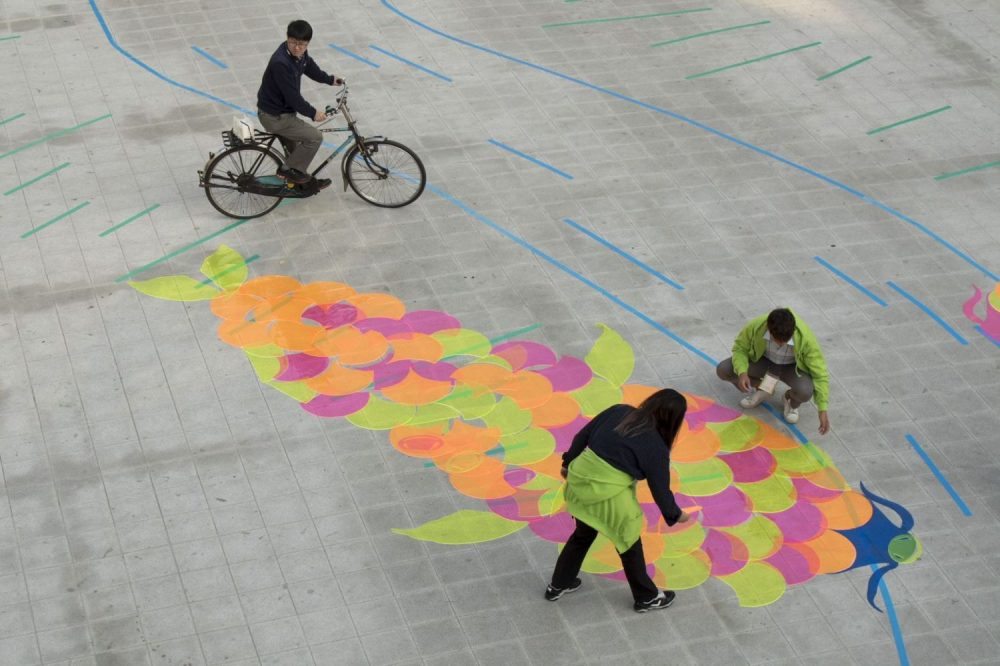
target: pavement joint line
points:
(930, 313)
(181, 250)
(131, 219)
(843, 69)
(851, 281)
(55, 219)
(533, 160)
(625, 18)
(236, 267)
(351, 54)
(12, 118)
(208, 56)
(36, 179)
(617, 250)
(410, 63)
(952, 174)
(54, 135)
(936, 471)
(707, 33)
(752, 60)
(908, 120)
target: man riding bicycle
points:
(279, 101)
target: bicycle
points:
(242, 181)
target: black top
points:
(642, 456)
(279, 87)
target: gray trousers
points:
(302, 138)
(800, 385)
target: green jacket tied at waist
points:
(604, 498)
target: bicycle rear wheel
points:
(228, 176)
(387, 174)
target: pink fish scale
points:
(330, 406)
(750, 466)
(564, 434)
(525, 354)
(726, 509)
(301, 366)
(331, 316)
(713, 413)
(725, 552)
(809, 491)
(568, 374)
(792, 564)
(429, 321)
(800, 523)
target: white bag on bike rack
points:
(242, 129)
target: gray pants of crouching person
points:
(300, 137)
(801, 384)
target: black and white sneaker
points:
(293, 175)
(553, 593)
(662, 600)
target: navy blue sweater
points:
(642, 456)
(279, 87)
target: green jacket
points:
(750, 346)
(603, 497)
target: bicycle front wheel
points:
(385, 173)
(235, 179)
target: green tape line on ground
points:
(952, 174)
(844, 68)
(36, 179)
(908, 120)
(208, 281)
(131, 219)
(753, 60)
(54, 135)
(55, 219)
(187, 247)
(12, 118)
(626, 18)
(710, 32)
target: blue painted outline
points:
(938, 475)
(617, 250)
(533, 160)
(890, 610)
(979, 329)
(572, 273)
(728, 137)
(208, 56)
(851, 281)
(930, 313)
(350, 54)
(117, 47)
(409, 62)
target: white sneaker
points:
(791, 413)
(753, 399)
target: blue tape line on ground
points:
(410, 63)
(353, 55)
(617, 250)
(979, 329)
(792, 428)
(572, 273)
(728, 137)
(116, 46)
(937, 474)
(930, 313)
(890, 610)
(533, 160)
(208, 56)
(851, 281)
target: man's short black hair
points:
(781, 324)
(300, 30)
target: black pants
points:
(633, 561)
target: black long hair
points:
(663, 412)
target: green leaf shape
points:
(760, 535)
(530, 446)
(680, 544)
(433, 413)
(266, 367)
(463, 342)
(226, 268)
(175, 288)
(297, 390)
(801, 460)
(684, 572)
(740, 434)
(773, 494)
(464, 527)
(266, 351)
(508, 417)
(596, 396)
(701, 479)
(381, 414)
(611, 357)
(756, 584)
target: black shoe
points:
(293, 175)
(662, 600)
(322, 183)
(553, 593)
